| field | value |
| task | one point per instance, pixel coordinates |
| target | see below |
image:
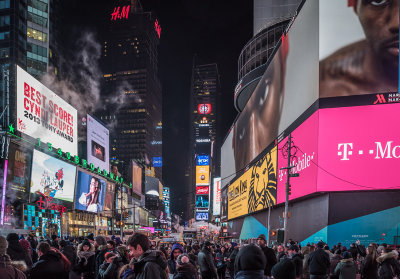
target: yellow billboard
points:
(202, 175)
(256, 189)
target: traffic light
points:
(272, 233)
(289, 189)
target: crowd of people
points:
(140, 258)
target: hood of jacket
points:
(51, 256)
(91, 249)
(151, 256)
(186, 268)
(386, 256)
(174, 247)
(347, 261)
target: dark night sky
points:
(215, 30)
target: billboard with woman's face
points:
(90, 192)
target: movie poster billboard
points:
(51, 177)
(98, 144)
(90, 192)
(43, 114)
(256, 189)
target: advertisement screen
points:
(255, 189)
(203, 160)
(90, 192)
(202, 190)
(304, 154)
(136, 178)
(43, 114)
(224, 204)
(98, 139)
(281, 95)
(217, 196)
(202, 201)
(52, 177)
(157, 161)
(359, 51)
(108, 199)
(202, 175)
(201, 216)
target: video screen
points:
(90, 192)
(98, 151)
(202, 201)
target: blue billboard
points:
(201, 216)
(157, 161)
(203, 160)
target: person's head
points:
(223, 249)
(94, 185)
(54, 237)
(3, 246)
(281, 249)
(284, 269)
(176, 252)
(138, 244)
(85, 245)
(110, 245)
(320, 245)
(207, 245)
(100, 241)
(43, 248)
(250, 257)
(346, 255)
(182, 259)
(109, 257)
(62, 243)
(262, 240)
(380, 21)
(293, 249)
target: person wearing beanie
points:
(206, 262)
(284, 269)
(68, 251)
(250, 263)
(318, 262)
(109, 269)
(101, 249)
(15, 250)
(27, 247)
(185, 269)
(50, 264)
(7, 268)
(85, 258)
(268, 253)
(293, 252)
(346, 268)
(389, 267)
(90, 237)
(176, 250)
(54, 241)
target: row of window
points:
(37, 35)
(36, 57)
(4, 35)
(35, 64)
(39, 5)
(4, 20)
(42, 21)
(37, 12)
(35, 49)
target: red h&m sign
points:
(120, 13)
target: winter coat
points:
(127, 273)
(334, 262)
(186, 271)
(388, 266)
(49, 265)
(306, 269)
(206, 263)
(221, 264)
(318, 262)
(297, 259)
(354, 252)
(171, 261)
(110, 270)
(17, 253)
(152, 264)
(69, 252)
(271, 259)
(369, 268)
(281, 256)
(7, 270)
(99, 256)
(232, 257)
(85, 263)
(346, 269)
(250, 274)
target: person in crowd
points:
(353, 251)
(318, 262)
(123, 253)
(305, 251)
(232, 257)
(177, 250)
(268, 253)
(90, 237)
(8, 268)
(388, 265)
(109, 269)
(337, 257)
(50, 264)
(15, 250)
(250, 263)
(346, 268)
(150, 264)
(192, 255)
(206, 262)
(328, 251)
(32, 239)
(111, 247)
(185, 269)
(281, 253)
(284, 269)
(68, 251)
(85, 260)
(101, 249)
(54, 241)
(369, 267)
(126, 271)
(297, 258)
(66, 263)
(221, 257)
(27, 247)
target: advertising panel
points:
(224, 204)
(204, 108)
(157, 161)
(90, 192)
(304, 156)
(201, 216)
(202, 190)
(202, 201)
(52, 178)
(359, 54)
(160, 190)
(203, 160)
(202, 175)
(255, 189)
(217, 196)
(136, 178)
(98, 148)
(359, 148)
(281, 95)
(43, 114)
(108, 199)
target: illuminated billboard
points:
(203, 160)
(90, 192)
(204, 108)
(98, 139)
(136, 178)
(202, 175)
(202, 190)
(217, 196)
(157, 161)
(108, 199)
(202, 201)
(256, 189)
(43, 114)
(201, 216)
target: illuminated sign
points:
(217, 196)
(202, 201)
(46, 203)
(204, 108)
(202, 190)
(157, 161)
(202, 175)
(203, 140)
(203, 160)
(204, 125)
(157, 27)
(156, 142)
(201, 216)
(120, 13)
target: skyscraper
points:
(131, 89)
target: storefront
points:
(81, 223)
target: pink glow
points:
(151, 229)
(3, 198)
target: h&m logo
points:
(382, 151)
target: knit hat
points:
(3, 246)
(346, 255)
(250, 257)
(262, 236)
(182, 259)
(101, 240)
(320, 244)
(285, 269)
(90, 237)
(25, 244)
(86, 242)
(12, 237)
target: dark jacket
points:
(232, 258)
(110, 270)
(206, 263)
(186, 271)
(151, 264)
(388, 266)
(250, 274)
(221, 264)
(354, 252)
(318, 262)
(7, 270)
(346, 269)
(85, 262)
(17, 253)
(369, 268)
(99, 256)
(48, 266)
(171, 261)
(297, 259)
(334, 262)
(70, 253)
(271, 259)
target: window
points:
(35, 49)
(4, 20)
(37, 19)
(4, 52)
(37, 35)
(38, 5)
(4, 4)
(4, 35)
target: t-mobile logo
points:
(346, 150)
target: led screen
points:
(202, 201)
(202, 190)
(90, 192)
(136, 178)
(202, 175)
(201, 216)
(97, 144)
(108, 199)
(217, 196)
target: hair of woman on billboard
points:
(94, 192)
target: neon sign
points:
(157, 27)
(120, 15)
(204, 108)
(46, 203)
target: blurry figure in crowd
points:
(50, 264)
(268, 253)
(250, 263)
(177, 250)
(206, 262)
(346, 268)
(185, 269)
(370, 65)
(318, 262)
(8, 269)
(284, 269)
(369, 268)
